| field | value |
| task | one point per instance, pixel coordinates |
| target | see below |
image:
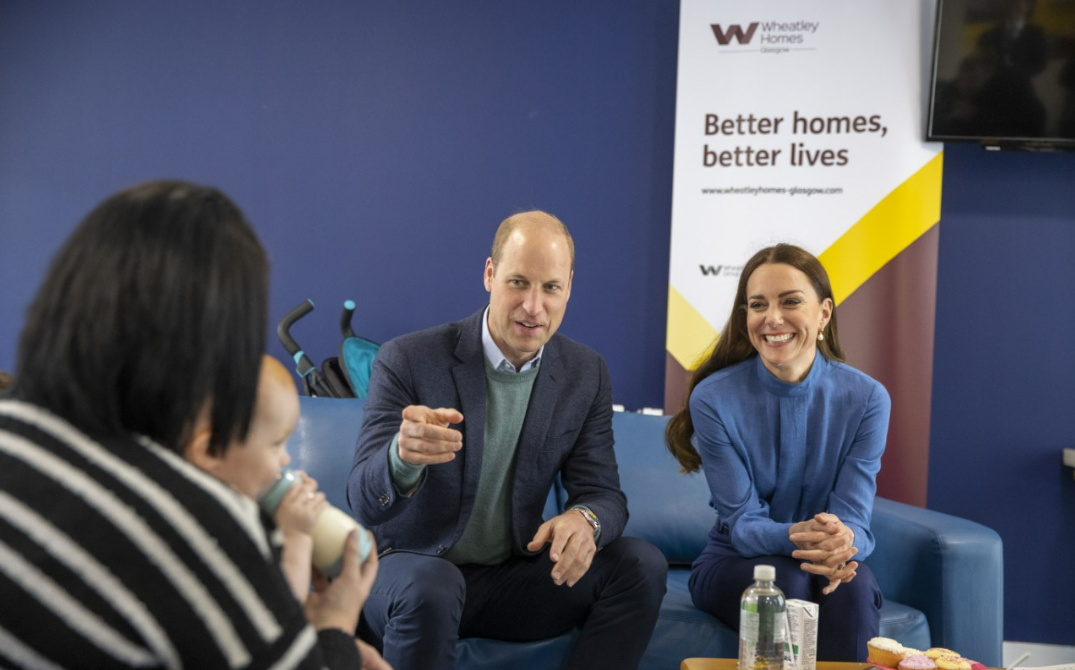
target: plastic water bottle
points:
(761, 623)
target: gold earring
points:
(820, 336)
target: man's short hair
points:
(508, 226)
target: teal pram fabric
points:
(357, 354)
(345, 376)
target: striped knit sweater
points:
(119, 554)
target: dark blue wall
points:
(1004, 373)
(375, 146)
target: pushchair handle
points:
(283, 329)
(332, 380)
(303, 364)
(345, 319)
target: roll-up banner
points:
(803, 121)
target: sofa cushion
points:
(683, 631)
(905, 624)
(481, 652)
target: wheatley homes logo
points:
(765, 36)
(720, 270)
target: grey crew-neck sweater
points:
(487, 539)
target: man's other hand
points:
(571, 549)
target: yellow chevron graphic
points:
(891, 226)
(689, 335)
(899, 219)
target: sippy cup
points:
(330, 531)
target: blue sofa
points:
(941, 575)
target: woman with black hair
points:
(790, 440)
(114, 551)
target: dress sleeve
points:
(856, 482)
(742, 514)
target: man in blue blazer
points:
(466, 427)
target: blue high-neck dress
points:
(774, 454)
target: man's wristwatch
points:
(591, 519)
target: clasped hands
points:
(825, 545)
(425, 438)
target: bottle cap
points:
(764, 573)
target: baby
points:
(251, 466)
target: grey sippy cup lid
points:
(270, 499)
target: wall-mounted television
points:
(1004, 74)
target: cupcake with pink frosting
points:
(917, 662)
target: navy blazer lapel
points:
(543, 400)
(469, 374)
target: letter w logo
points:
(725, 36)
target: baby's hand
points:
(300, 508)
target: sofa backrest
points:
(669, 509)
(323, 443)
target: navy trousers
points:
(847, 617)
(420, 605)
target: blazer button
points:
(384, 499)
(441, 549)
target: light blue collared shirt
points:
(496, 357)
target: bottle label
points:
(761, 639)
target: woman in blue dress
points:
(790, 440)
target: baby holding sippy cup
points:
(253, 467)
